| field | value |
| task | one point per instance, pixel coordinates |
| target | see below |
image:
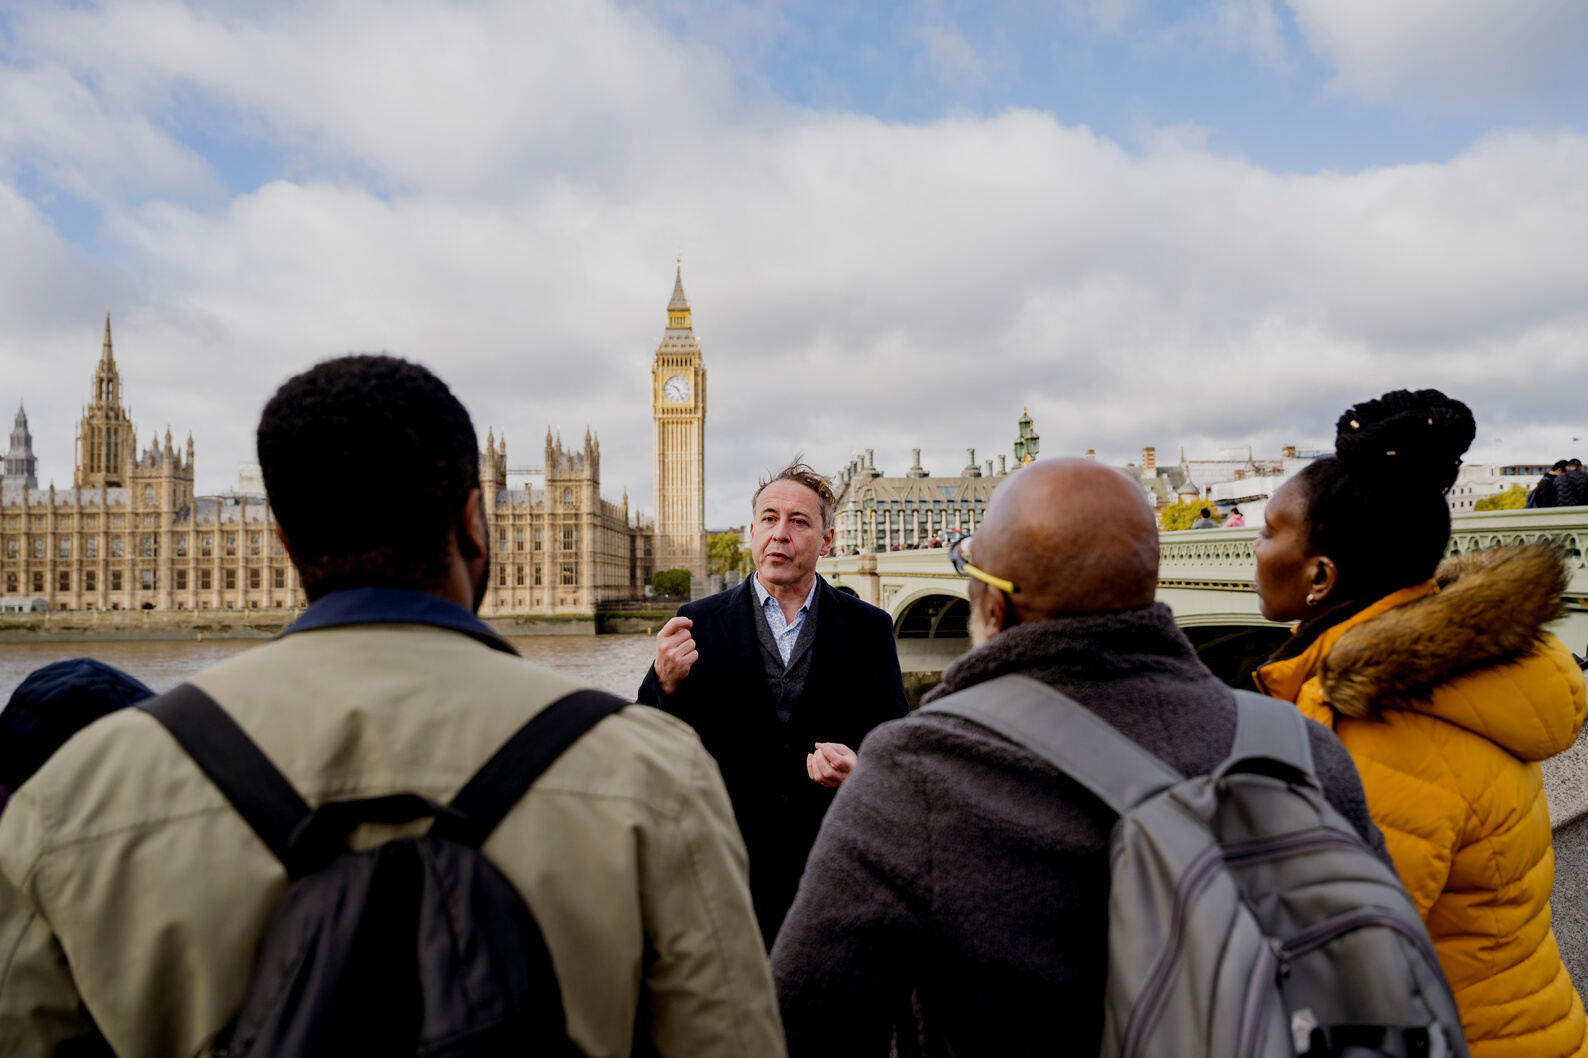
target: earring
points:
(1312, 600)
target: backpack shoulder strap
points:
(1269, 729)
(1069, 736)
(508, 775)
(231, 760)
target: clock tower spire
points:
(678, 407)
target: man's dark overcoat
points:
(854, 685)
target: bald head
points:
(1076, 536)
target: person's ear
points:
(986, 613)
(1325, 575)
(473, 531)
(827, 539)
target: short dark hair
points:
(1206, 513)
(368, 461)
(1395, 458)
(802, 474)
(1561, 464)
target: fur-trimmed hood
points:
(1448, 695)
(1490, 609)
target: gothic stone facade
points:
(130, 534)
(561, 548)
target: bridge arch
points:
(931, 629)
(901, 602)
(935, 616)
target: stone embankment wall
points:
(98, 627)
(77, 626)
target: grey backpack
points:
(1247, 919)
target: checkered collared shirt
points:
(784, 632)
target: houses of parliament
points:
(131, 534)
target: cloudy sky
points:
(1205, 225)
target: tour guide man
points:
(781, 677)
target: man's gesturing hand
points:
(675, 653)
(831, 764)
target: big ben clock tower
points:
(678, 405)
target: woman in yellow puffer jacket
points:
(1443, 684)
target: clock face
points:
(676, 389)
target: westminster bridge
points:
(1204, 576)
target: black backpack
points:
(416, 947)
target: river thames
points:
(615, 663)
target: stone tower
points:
(19, 460)
(106, 443)
(678, 404)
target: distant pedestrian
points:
(1543, 494)
(1205, 520)
(1235, 520)
(964, 866)
(1571, 488)
(50, 706)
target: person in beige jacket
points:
(133, 897)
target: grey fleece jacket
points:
(958, 864)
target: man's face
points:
(787, 537)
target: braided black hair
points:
(368, 461)
(1377, 506)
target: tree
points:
(671, 582)
(1181, 515)
(1512, 499)
(725, 554)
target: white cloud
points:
(1450, 51)
(950, 57)
(856, 283)
(462, 98)
(1253, 26)
(85, 144)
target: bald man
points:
(963, 867)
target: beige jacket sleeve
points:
(39, 1006)
(708, 981)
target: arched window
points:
(567, 497)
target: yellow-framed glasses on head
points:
(959, 554)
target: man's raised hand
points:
(831, 764)
(675, 653)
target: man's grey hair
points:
(800, 472)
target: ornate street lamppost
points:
(868, 502)
(1029, 443)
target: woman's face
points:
(1288, 570)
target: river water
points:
(614, 663)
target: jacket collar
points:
(1079, 648)
(1284, 679)
(376, 606)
